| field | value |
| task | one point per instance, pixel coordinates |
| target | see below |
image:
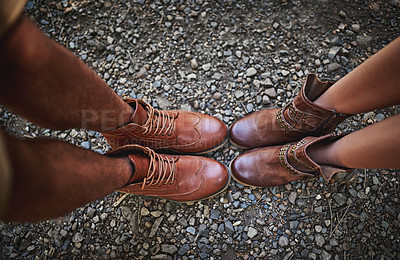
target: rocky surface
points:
(227, 59)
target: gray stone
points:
(169, 249)
(221, 228)
(333, 242)
(178, 86)
(217, 96)
(183, 249)
(267, 82)
(292, 197)
(86, 145)
(191, 230)
(325, 255)
(144, 211)
(318, 209)
(375, 180)
(333, 67)
(283, 241)
(229, 229)
(183, 222)
(252, 232)
(355, 27)
(249, 107)
(379, 117)
(194, 64)
(163, 103)
(318, 228)
(342, 14)
(191, 76)
(257, 83)
(155, 226)
(270, 92)
(217, 76)
(340, 198)
(319, 240)
(156, 213)
(157, 84)
(239, 94)
(363, 216)
(294, 224)
(206, 67)
(73, 133)
(385, 224)
(250, 72)
(333, 51)
(364, 41)
(215, 214)
(77, 237)
(285, 73)
(266, 100)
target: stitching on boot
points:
(283, 161)
(292, 155)
(296, 114)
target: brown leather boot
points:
(279, 165)
(179, 178)
(173, 130)
(300, 118)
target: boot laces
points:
(161, 169)
(158, 123)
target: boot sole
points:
(191, 201)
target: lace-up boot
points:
(299, 118)
(278, 165)
(180, 178)
(173, 130)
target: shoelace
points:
(166, 169)
(159, 122)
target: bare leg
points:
(45, 83)
(376, 146)
(372, 85)
(52, 178)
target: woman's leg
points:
(376, 146)
(52, 178)
(48, 85)
(372, 85)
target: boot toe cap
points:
(215, 132)
(239, 134)
(217, 178)
(242, 170)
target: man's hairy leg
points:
(48, 85)
(52, 178)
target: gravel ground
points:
(227, 59)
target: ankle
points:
(128, 170)
(325, 154)
(325, 102)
